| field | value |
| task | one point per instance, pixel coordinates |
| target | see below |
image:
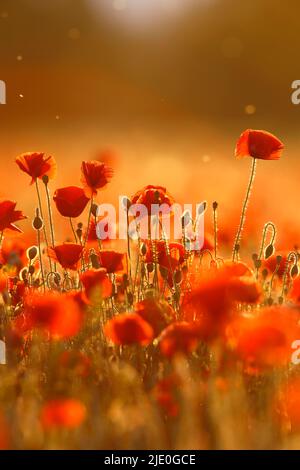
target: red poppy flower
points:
(8, 215)
(37, 165)
(96, 282)
(158, 313)
(67, 255)
(128, 328)
(63, 413)
(295, 291)
(169, 258)
(70, 201)
(258, 144)
(153, 195)
(213, 301)
(94, 176)
(265, 340)
(58, 315)
(111, 260)
(179, 338)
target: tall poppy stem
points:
(41, 214)
(238, 237)
(73, 230)
(88, 222)
(50, 217)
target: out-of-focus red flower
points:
(158, 313)
(179, 338)
(13, 251)
(94, 175)
(77, 361)
(96, 282)
(58, 315)
(153, 195)
(214, 299)
(3, 281)
(37, 165)
(8, 215)
(67, 255)
(165, 392)
(70, 201)
(111, 260)
(128, 328)
(258, 144)
(63, 413)
(295, 291)
(265, 340)
(238, 269)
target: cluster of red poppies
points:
(158, 297)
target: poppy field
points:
(144, 344)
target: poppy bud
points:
(257, 263)
(150, 267)
(202, 208)
(186, 218)
(280, 300)
(269, 251)
(37, 223)
(126, 203)
(94, 209)
(94, 260)
(270, 301)
(45, 179)
(294, 271)
(264, 273)
(31, 269)
(80, 225)
(23, 274)
(278, 259)
(254, 257)
(143, 249)
(32, 252)
(215, 205)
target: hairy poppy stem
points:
(40, 258)
(41, 214)
(215, 218)
(244, 210)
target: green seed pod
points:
(37, 223)
(294, 271)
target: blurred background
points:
(164, 87)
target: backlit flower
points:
(128, 328)
(158, 313)
(67, 255)
(8, 216)
(37, 165)
(94, 176)
(111, 260)
(153, 195)
(179, 338)
(96, 283)
(58, 315)
(259, 144)
(70, 201)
